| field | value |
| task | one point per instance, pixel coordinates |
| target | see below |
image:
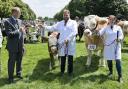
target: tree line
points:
(103, 8)
(6, 6)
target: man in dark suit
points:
(15, 44)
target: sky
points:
(46, 7)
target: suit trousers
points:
(14, 58)
(70, 63)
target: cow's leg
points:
(52, 62)
(98, 53)
(80, 36)
(88, 63)
(56, 60)
(102, 61)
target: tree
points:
(82, 8)
(106, 7)
(6, 6)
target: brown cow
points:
(93, 42)
(52, 48)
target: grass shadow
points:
(92, 78)
(81, 41)
(3, 81)
(81, 61)
(42, 72)
(80, 69)
(125, 44)
(124, 50)
(39, 71)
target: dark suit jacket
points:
(15, 40)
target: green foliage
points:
(82, 8)
(106, 7)
(37, 75)
(6, 6)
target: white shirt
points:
(67, 32)
(112, 49)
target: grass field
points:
(37, 75)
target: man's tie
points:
(17, 24)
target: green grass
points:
(37, 75)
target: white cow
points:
(124, 26)
(53, 48)
(93, 42)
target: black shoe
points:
(10, 81)
(120, 80)
(20, 77)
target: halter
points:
(53, 45)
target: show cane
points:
(117, 44)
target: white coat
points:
(112, 48)
(67, 32)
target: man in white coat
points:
(67, 40)
(113, 36)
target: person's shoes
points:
(120, 80)
(10, 81)
(20, 77)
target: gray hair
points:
(14, 9)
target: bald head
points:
(16, 12)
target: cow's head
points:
(125, 28)
(93, 23)
(52, 41)
(90, 23)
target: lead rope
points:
(116, 45)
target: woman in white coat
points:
(112, 45)
(67, 40)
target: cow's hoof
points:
(102, 65)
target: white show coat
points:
(67, 32)
(112, 49)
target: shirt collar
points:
(68, 20)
